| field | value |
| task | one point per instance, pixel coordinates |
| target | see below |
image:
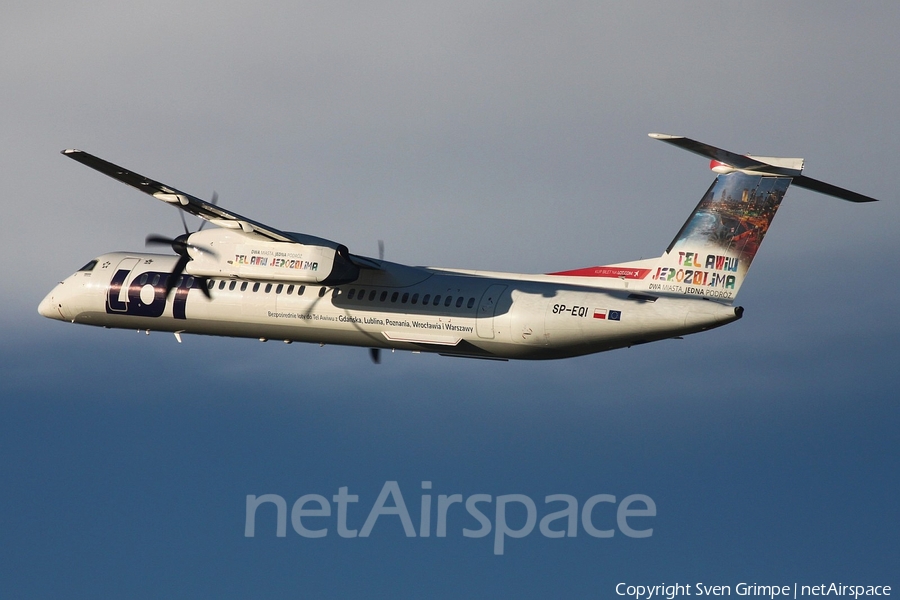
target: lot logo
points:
(146, 295)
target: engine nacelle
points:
(235, 253)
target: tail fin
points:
(713, 250)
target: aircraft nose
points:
(48, 306)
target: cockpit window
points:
(90, 266)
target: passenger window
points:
(290, 289)
(415, 298)
(178, 281)
(221, 283)
(336, 293)
(404, 298)
(256, 287)
(372, 295)
(459, 301)
(210, 284)
(279, 288)
(189, 283)
(142, 279)
(382, 297)
(437, 300)
(322, 291)
(394, 296)
(244, 286)
(268, 287)
(471, 303)
(231, 285)
(425, 299)
(448, 300)
(300, 290)
(154, 281)
(351, 293)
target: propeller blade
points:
(375, 355)
(204, 286)
(176, 272)
(155, 239)
(184, 223)
(214, 201)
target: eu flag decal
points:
(615, 315)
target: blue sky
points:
(474, 135)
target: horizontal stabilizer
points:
(773, 166)
(790, 167)
(831, 190)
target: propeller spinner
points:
(181, 245)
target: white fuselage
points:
(460, 313)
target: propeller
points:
(375, 353)
(214, 201)
(181, 246)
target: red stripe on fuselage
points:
(623, 272)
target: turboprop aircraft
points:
(246, 279)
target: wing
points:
(186, 202)
(211, 212)
(206, 210)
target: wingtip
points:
(664, 136)
(70, 151)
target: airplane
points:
(246, 279)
